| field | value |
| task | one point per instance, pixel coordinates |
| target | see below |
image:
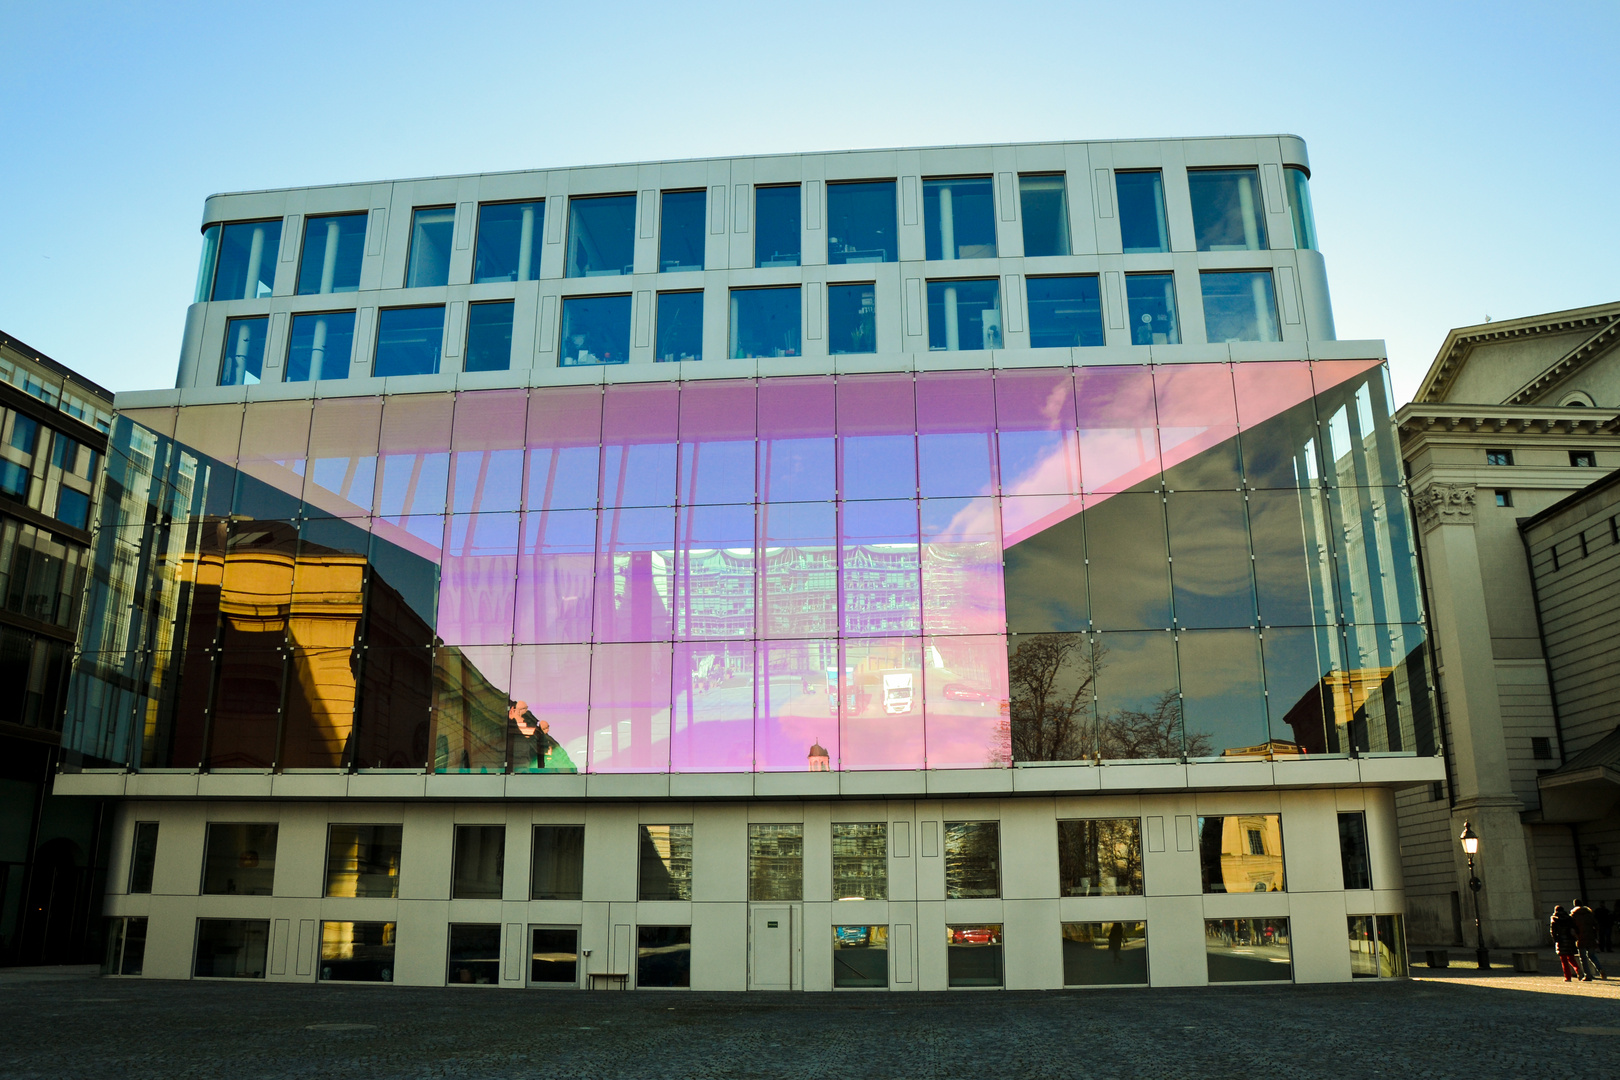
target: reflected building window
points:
(776, 862)
(595, 330)
(765, 322)
(964, 314)
(601, 236)
(480, 862)
(475, 954)
(1377, 947)
(972, 860)
(126, 945)
(681, 235)
(776, 225)
(409, 341)
(1353, 858)
(231, 948)
(1064, 312)
(1248, 950)
(1105, 954)
(320, 346)
(243, 258)
(851, 319)
(432, 230)
(973, 954)
(666, 863)
(489, 337)
(239, 860)
(1100, 857)
(553, 956)
(243, 360)
(510, 236)
(860, 957)
(334, 247)
(861, 222)
(1241, 853)
(357, 952)
(1299, 207)
(680, 327)
(1151, 302)
(1044, 206)
(1141, 212)
(557, 864)
(663, 957)
(959, 218)
(1239, 305)
(1227, 211)
(363, 860)
(860, 860)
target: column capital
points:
(1445, 504)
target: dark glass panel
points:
(557, 866)
(231, 948)
(480, 862)
(860, 957)
(663, 956)
(1209, 559)
(1045, 573)
(1129, 567)
(861, 222)
(554, 955)
(357, 951)
(681, 233)
(1293, 565)
(973, 954)
(1372, 545)
(1353, 860)
(972, 860)
(1308, 688)
(1065, 312)
(601, 235)
(471, 709)
(363, 860)
(1248, 950)
(246, 707)
(396, 697)
(666, 863)
(475, 953)
(1223, 698)
(959, 218)
(775, 862)
(860, 860)
(1138, 697)
(240, 859)
(1105, 954)
(776, 225)
(1278, 421)
(1052, 680)
(318, 724)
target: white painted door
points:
(770, 949)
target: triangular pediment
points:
(1520, 361)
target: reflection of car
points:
(973, 935)
(963, 692)
(851, 935)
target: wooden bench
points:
(603, 980)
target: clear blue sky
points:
(1464, 155)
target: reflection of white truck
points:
(897, 692)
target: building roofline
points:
(1461, 340)
(1602, 483)
(61, 369)
(1420, 417)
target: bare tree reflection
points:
(1153, 733)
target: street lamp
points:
(1470, 843)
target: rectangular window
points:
(601, 236)
(510, 236)
(231, 948)
(245, 267)
(557, 868)
(964, 314)
(852, 318)
(1100, 857)
(666, 863)
(489, 336)
(143, 856)
(776, 862)
(1044, 203)
(320, 346)
(73, 508)
(24, 433)
(1504, 497)
(681, 235)
(334, 246)
(475, 954)
(776, 225)
(973, 954)
(1437, 791)
(1248, 950)
(65, 453)
(240, 860)
(432, 231)
(1242, 853)
(860, 860)
(1299, 207)
(1064, 312)
(363, 860)
(1239, 305)
(765, 322)
(1227, 212)
(972, 859)
(1540, 749)
(553, 956)
(1583, 459)
(1353, 858)
(861, 223)
(207, 264)
(243, 361)
(14, 480)
(1105, 954)
(1141, 212)
(860, 957)
(409, 341)
(663, 956)
(1150, 300)
(595, 330)
(126, 946)
(959, 218)
(1377, 946)
(357, 952)
(680, 327)
(1498, 457)
(480, 862)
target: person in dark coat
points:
(1586, 941)
(1563, 939)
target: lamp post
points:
(1470, 843)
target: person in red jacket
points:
(1563, 938)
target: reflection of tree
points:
(1051, 677)
(1152, 733)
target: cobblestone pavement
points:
(1474, 1029)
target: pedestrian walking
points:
(1605, 919)
(1586, 940)
(1563, 938)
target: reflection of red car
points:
(973, 935)
(962, 692)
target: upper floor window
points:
(765, 322)
(320, 346)
(1299, 207)
(860, 860)
(1227, 212)
(363, 860)
(1100, 857)
(241, 259)
(1150, 300)
(334, 246)
(964, 314)
(24, 433)
(1498, 457)
(680, 326)
(432, 231)
(489, 336)
(239, 859)
(666, 863)
(1353, 858)
(1583, 459)
(972, 860)
(601, 236)
(479, 871)
(1044, 204)
(595, 330)
(243, 362)
(851, 318)
(1241, 853)
(1141, 211)
(510, 236)
(1064, 312)
(143, 856)
(959, 218)
(861, 222)
(681, 235)
(776, 225)
(409, 341)
(1239, 305)
(776, 862)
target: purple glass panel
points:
(564, 438)
(419, 534)
(881, 697)
(714, 572)
(551, 692)
(797, 706)
(413, 469)
(797, 444)
(471, 708)
(1198, 419)
(630, 707)
(639, 425)
(1119, 446)
(342, 470)
(799, 556)
(554, 575)
(486, 474)
(877, 437)
(275, 439)
(1035, 433)
(635, 559)
(717, 442)
(879, 577)
(712, 729)
(956, 423)
(965, 695)
(477, 589)
(961, 567)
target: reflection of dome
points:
(820, 760)
(817, 750)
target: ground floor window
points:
(126, 946)
(1248, 950)
(1377, 946)
(553, 956)
(973, 954)
(475, 953)
(860, 957)
(231, 948)
(663, 956)
(1105, 954)
(357, 951)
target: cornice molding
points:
(1460, 342)
(1445, 504)
(1422, 419)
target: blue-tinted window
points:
(243, 362)
(776, 226)
(432, 231)
(1227, 214)
(64, 452)
(1141, 211)
(409, 341)
(680, 326)
(1151, 302)
(73, 508)
(764, 322)
(1299, 207)
(964, 314)
(861, 222)
(681, 233)
(24, 433)
(1239, 305)
(601, 236)
(320, 346)
(1043, 203)
(510, 236)
(489, 337)
(333, 249)
(595, 330)
(1064, 312)
(13, 480)
(206, 264)
(246, 264)
(959, 218)
(852, 318)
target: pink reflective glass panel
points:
(478, 586)
(275, 440)
(797, 444)
(564, 438)
(342, 471)
(878, 568)
(639, 424)
(1119, 446)
(630, 707)
(965, 695)
(961, 567)
(486, 474)
(956, 421)
(421, 535)
(797, 695)
(712, 722)
(714, 572)
(877, 437)
(1197, 414)
(556, 569)
(1023, 516)
(717, 442)
(634, 565)
(1265, 389)
(1035, 433)
(799, 559)
(413, 470)
(553, 682)
(881, 714)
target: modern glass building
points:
(903, 569)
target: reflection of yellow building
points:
(1251, 853)
(1340, 696)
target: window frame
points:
(410, 247)
(703, 253)
(303, 244)
(797, 186)
(538, 243)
